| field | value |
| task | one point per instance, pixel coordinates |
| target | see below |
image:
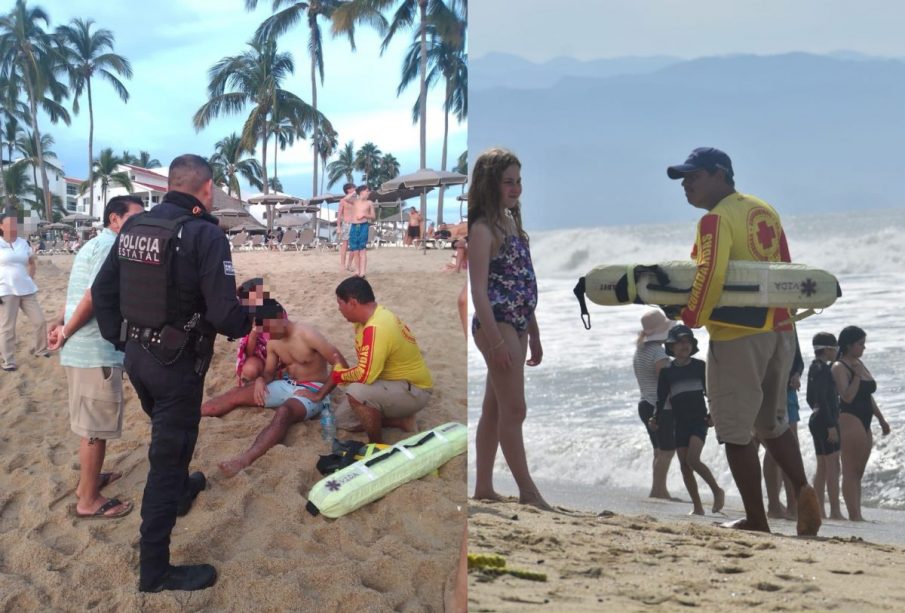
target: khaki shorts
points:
(96, 401)
(747, 383)
(394, 399)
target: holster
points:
(204, 350)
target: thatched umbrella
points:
(272, 199)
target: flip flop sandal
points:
(104, 479)
(101, 513)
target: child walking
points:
(824, 422)
(682, 385)
(504, 293)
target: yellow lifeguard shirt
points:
(739, 227)
(386, 350)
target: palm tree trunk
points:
(443, 166)
(91, 153)
(2, 179)
(36, 133)
(276, 143)
(264, 158)
(422, 97)
(314, 191)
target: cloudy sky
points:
(173, 43)
(586, 29)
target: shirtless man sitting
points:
(304, 355)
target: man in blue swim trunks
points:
(304, 356)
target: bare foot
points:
(744, 524)
(719, 499)
(664, 496)
(231, 468)
(777, 513)
(837, 515)
(534, 499)
(490, 496)
(698, 511)
(808, 512)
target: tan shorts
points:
(747, 383)
(395, 399)
(96, 401)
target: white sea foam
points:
(582, 421)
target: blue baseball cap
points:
(702, 158)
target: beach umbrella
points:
(461, 198)
(59, 226)
(301, 207)
(230, 213)
(78, 218)
(293, 221)
(251, 227)
(272, 199)
(325, 198)
(425, 178)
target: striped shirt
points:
(645, 365)
(86, 348)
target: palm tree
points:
(85, 54)
(461, 166)
(367, 160)
(27, 57)
(388, 168)
(229, 156)
(342, 166)
(12, 111)
(284, 135)
(104, 169)
(324, 144)
(144, 160)
(32, 154)
(18, 187)
(280, 22)
(444, 15)
(254, 78)
(447, 60)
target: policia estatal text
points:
(165, 291)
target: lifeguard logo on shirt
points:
(141, 248)
(763, 235)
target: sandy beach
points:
(394, 554)
(636, 554)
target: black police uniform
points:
(170, 390)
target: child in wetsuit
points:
(824, 421)
(682, 385)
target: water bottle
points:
(328, 425)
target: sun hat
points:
(655, 326)
(676, 334)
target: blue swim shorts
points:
(284, 389)
(358, 236)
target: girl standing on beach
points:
(504, 293)
(857, 407)
(649, 359)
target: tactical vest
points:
(148, 292)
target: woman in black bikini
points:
(857, 407)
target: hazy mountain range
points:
(807, 133)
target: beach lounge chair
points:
(257, 242)
(306, 240)
(290, 240)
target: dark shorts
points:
(820, 432)
(415, 231)
(665, 436)
(688, 427)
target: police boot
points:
(196, 483)
(187, 578)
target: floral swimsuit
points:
(511, 285)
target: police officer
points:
(164, 292)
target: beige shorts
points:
(747, 383)
(96, 401)
(395, 399)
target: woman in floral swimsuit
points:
(504, 293)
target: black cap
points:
(677, 333)
(702, 158)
